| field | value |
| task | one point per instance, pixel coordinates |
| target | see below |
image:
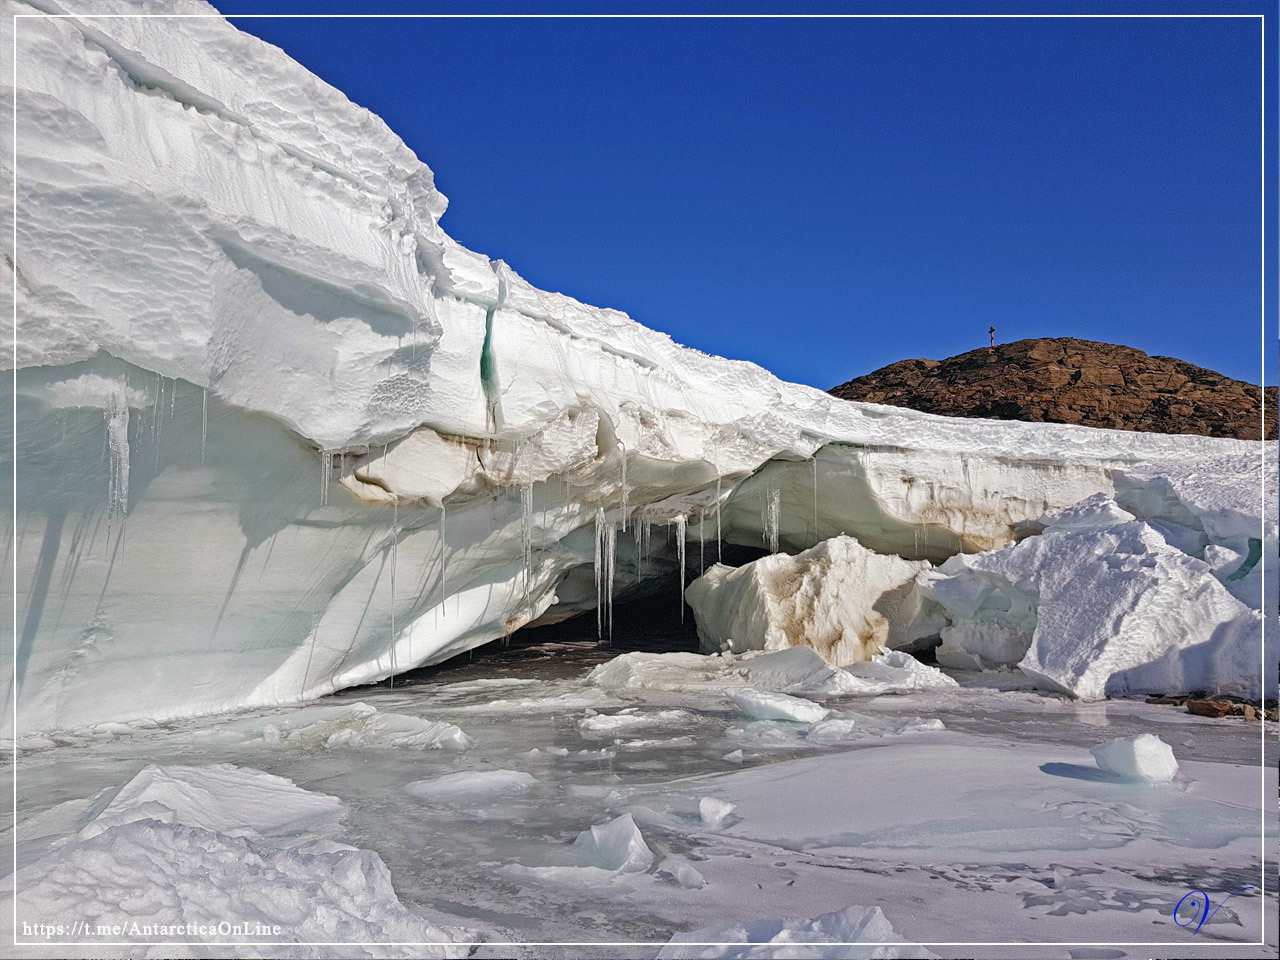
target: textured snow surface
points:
(828, 936)
(1144, 757)
(278, 434)
(180, 845)
(1101, 603)
(838, 598)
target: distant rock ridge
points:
(1065, 380)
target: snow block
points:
(837, 597)
(616, 845)
(1144, 757)
(762, 705)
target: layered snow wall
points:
(277, 433)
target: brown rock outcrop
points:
(1065, 380)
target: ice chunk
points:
(837, 597)
(1101, 611)
(471, 785)
(1144, 757)
(796, 670)
(896, 671)
(681, 872)
(616, 845)
(1092, 513)
(829, 936)
(713, 810)
(236, 801)
(763, 705)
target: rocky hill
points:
(1064, 380)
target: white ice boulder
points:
(763, 705)
(836, 597)
(1144, 757)
(712, 810)
(680, 872)
(617, 845)
(1097, 610)
(855, 933)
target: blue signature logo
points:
(1202, 904)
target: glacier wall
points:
(277, 433)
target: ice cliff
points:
(277, 433)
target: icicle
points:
(526, 535)
(173, 398)
(770, 515)
(157, 419)
(719, 542)
(814, 461)
(117, 417)
(605, 561)
(204, 422)
(641, 531)
(326, 470)
(395, 539)
(444, 535)
(702, 543)
(681, 521)
(624, 485)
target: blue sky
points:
(827, 196)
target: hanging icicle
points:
(444, 536)
(625, 511)
(395, 540)
(814, 461)
(605, 560)
(204, 423)
(326, 471)
(680, 524)
(526, 536)
(719, 546)
(770, 515)
(702, 542)
(117, 418)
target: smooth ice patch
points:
(763, 705)
(1144, 757)
(471, 785)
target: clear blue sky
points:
(827, 196)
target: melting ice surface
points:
(566, 792)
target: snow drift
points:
(277, 433)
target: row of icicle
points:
(605, 540)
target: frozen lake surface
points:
(972, 814)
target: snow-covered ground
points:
(967, 813)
